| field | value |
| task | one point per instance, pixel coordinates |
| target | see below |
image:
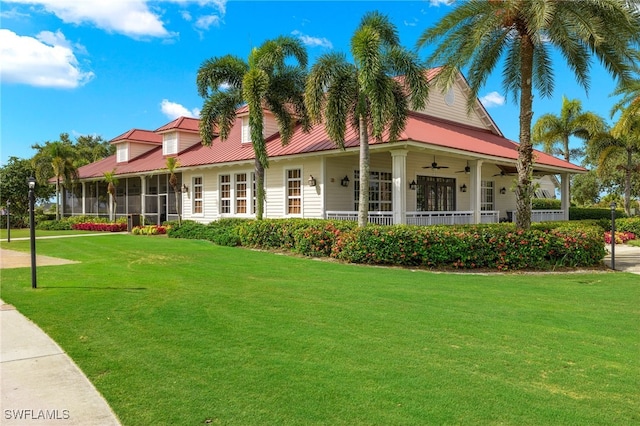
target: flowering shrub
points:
(149, 230)
(103, 227)
(621, 237)
(497, 246)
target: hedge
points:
(102, 227)
(494, 246)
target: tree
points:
(13, 187)
(266, 81)
(629, 105)
(553, 132)
(480, 33)
(622, 152)
(90, 149)
(172, 164)
(112, 181)
(56, 160)
(368, 94)
(586, 189)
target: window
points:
(122, 153)
(241, 193)
(237, 193)
(170, 144)
(294, 191)
(225, 194)
(487, 195)
(435, 194)
(246, 130)
(380, 191)
(197, 195)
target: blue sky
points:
(102, 67)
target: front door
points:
(436, 194)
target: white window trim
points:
(233, 212)
(356, 188)
(485, 205)
(122, 151)
(170, 142)
(245, 130)
(286, 192)
(193, 195)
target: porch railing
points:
(377, 218)
(419, 218)
(542, 215)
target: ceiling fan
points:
(434, 165)
(506, 171)
(466, 170)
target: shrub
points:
(318, 237)
(545, 204)
(630, 224)
(579, 213)
(621, 237)
(149, 230)
(53, 225)
(102, 227)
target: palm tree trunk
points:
(259, 189)
(178, 209)
(363, 201)
(627, 183)
(567, 157)
(57, 197)
(525, 150)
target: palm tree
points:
(366, 94)
(478, 34)
(629, 105)
(56, 160)
(621, 149)
(266, 81)
(112, 181)
(172, 164)
(553, 132)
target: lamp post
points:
(613, 235)
(32, 228)
(8, 221)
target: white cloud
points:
(174, 110)
(206, 21)
(44, 61)
(131, 17)
(437, 3)
(411, 22)
(492, 99)
(312, 41)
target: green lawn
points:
(25, 233)
(182, 332)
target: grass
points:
(634, 242)
(185, 332)
(25, 233)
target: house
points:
(448, 167)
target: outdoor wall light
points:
(345, 181)
(503, 190)
(185, 188)
(463, 188)
(412, 185)
(312, 181)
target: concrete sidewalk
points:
(627, 258)
(40, 384)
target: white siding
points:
(437, 107)
(137, 149)
(186, 140)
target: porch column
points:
(84, 198)
(399, 191)
(475, 195)
(143, 196)
(565, 197)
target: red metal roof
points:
(187, 124)
(140, 136)
(421, 129)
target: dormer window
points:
(122, 153)
(170, 144)
(246, 130)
